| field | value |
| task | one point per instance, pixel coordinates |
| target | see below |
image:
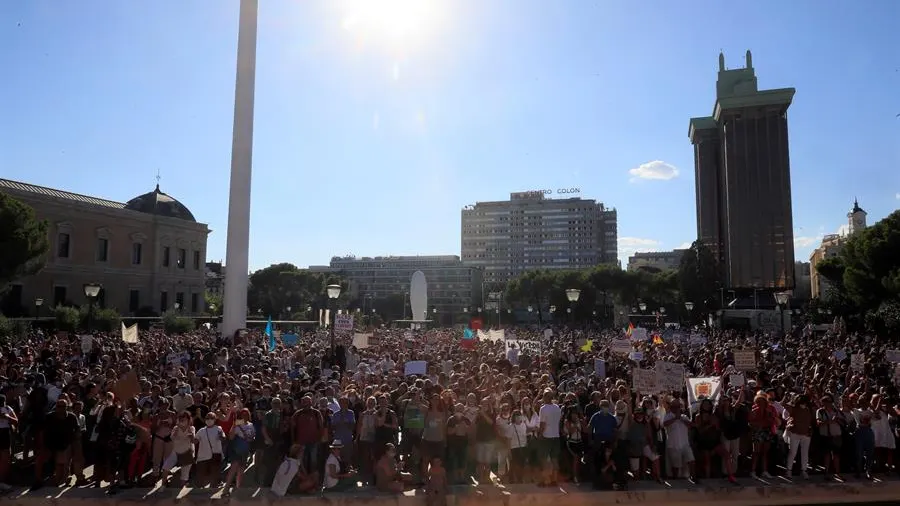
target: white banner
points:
(130, 334)
(361, 341)
(858, 362)
(702, 388)
(530, 347)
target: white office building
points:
(532, 231)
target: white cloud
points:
(685, 245)
(897, 196)
(806, 242)
(656, 170)
(843, 229)
(630, 245)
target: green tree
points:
(871, 261)
(279, 286)
(698, 278)
(213, 303)
(24, 241)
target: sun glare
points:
(390, 21)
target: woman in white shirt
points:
(8, 420)
(517, 435)
(182, 453)
(209, 452)
(532, 426)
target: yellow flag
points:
(588, 345)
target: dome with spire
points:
(856, 208)
(160, 204)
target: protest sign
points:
(669, 376)
(361, 341)
(417, 367)
(736, 380)
(622, 346)
(840, 355)
(530, 347)
(697, 339)
(638, 334)
(130, 334)
(343, 322)
(858, 362)
(644, 381)
(745, 360)
(289, 339)
(600, 368)
(87, 343)
(636, 356)
(892, 356)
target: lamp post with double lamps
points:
(689, 306)
(91, 292)
(782, 299)
(333, 291)
(38, 302)
(572, 294)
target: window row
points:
(64, 250)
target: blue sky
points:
(373, 129)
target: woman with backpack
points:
(241, 440)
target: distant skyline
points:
(375, 127)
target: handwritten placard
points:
(622, 346)
(858, 362)
(644, 381)
(745, 360)
(669, 376)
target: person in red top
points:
(306, 430)
(763, 420)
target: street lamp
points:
(38, 302)
(781, 298)
(689, 306)
(333, 291)
(642, 306)
(91, 291)
(662, 310)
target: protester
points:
(532, 404)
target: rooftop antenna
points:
(158, 177)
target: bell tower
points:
(856, 218)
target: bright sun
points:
(391, 21)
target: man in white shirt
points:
(550, 416)
(678, 445)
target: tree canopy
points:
(24, 242)
(866, 272)
(279, 286)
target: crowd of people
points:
(398, 409)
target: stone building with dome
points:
(148, 253)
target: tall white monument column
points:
(234, 315)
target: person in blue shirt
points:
(603, 436)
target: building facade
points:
(830, 247)
(528, 231)
(215, 278)
(452, 286)
(743, 182)
(656, 260)
(149, 254)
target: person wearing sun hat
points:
(338, 475)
